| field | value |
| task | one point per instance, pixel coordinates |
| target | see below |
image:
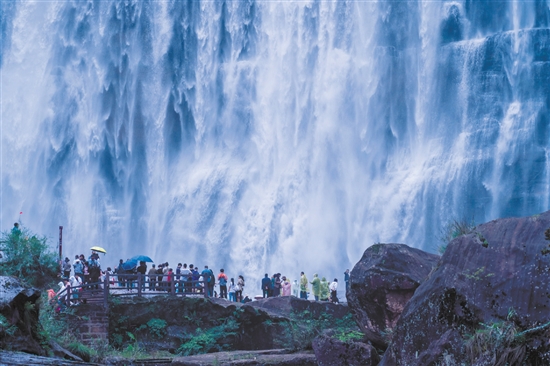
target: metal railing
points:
(135, 285)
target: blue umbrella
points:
(141, 258)
(129, 264)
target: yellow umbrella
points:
(98, 249)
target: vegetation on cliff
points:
(28, 257)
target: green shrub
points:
(29, 258)
(210, 340)
(156, 327)
(305, 327)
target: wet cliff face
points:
(496, 273)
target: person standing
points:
(152, 277)
(303, 286)
(324, 289)
(222, 281)
(295, 289)
(78, 267)
(186, 277)
(266, 285)
(120, 271)
(239, 289)
(142, 270)
(208, 277)
(231, 292)
(76, 286)
(286, 287)
(95, 270)
(15, 230)
(169, 279)
(67, 267)
(179, 285)
(333, 294)
(316, 286)
(277, 285)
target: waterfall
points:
(270, 136)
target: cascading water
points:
(270, 135)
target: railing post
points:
(106, 283)
(140, 279)
(173, 286)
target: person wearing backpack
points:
(222, 280)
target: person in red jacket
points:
(222, 281)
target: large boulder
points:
(496, 273)
(332, 351)
(382, 282)
(18, 325)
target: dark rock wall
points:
(501, 265)
(18, 304)
(382, 282)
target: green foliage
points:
(349, 335)
(484, 242)
(28, 258)
(119, 331)
(156, 327)
(210, 340)
(453, 229)
(375, 248)
(193, 318)
(478, 274)
(305, 327)
(497, 344)
(6, 329)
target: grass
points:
(452, 230)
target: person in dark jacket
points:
(142, 270)
(266, 286)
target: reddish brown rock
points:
(501, 265)
(382, 282)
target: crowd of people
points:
(85, 273)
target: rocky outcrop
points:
(499, 272)
(331, 351)
(287, 305)
(19, 358)
(199, 325)
(249, 358)
(18, 326)
(382, 283)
